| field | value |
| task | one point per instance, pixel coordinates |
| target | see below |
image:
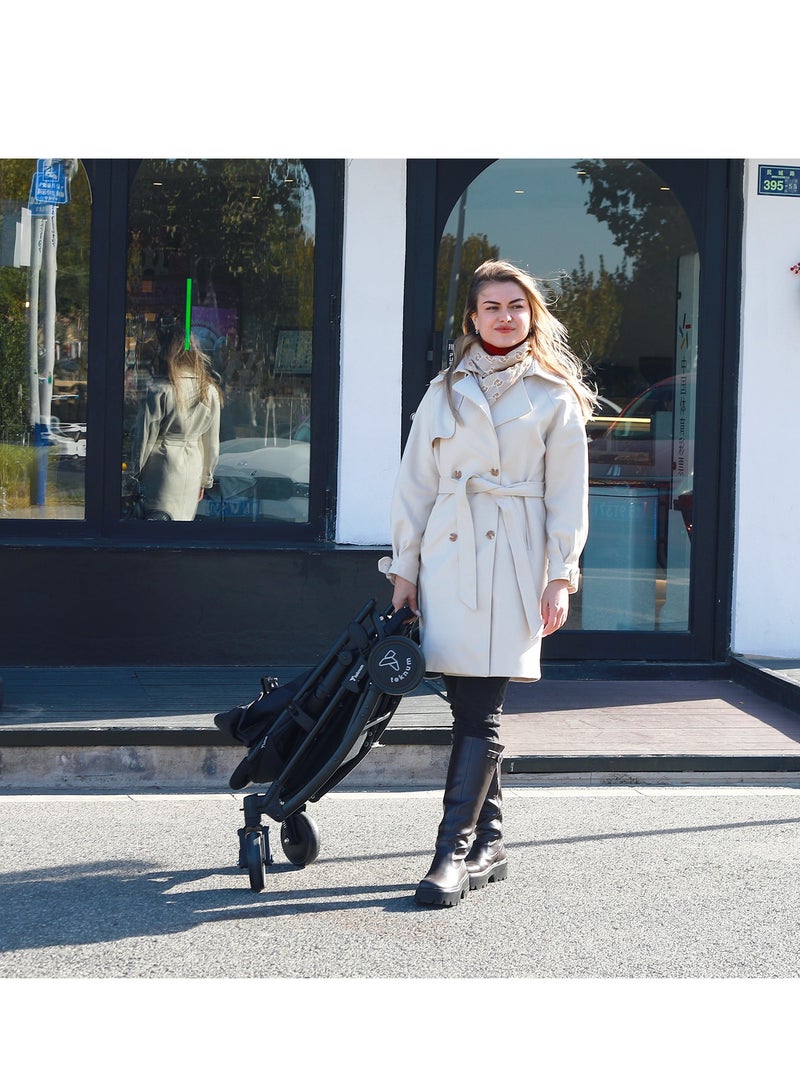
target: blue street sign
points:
(50, 184)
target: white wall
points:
(766, 590)
(372, 341)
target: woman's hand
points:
(554, 606)
(405, 594)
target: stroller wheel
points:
(254, 855)
(396, 665)
(300, 839)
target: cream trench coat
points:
(484, 513)
(176, 448)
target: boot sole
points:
(496, 875)
(442, 898)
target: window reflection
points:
(44, 360)
(613, 246)
(175, 441)
(229, 246)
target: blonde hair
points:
(547, 336)
(181, 362)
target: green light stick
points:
(188, 325)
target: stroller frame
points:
(362, 679)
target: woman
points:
(176, 436)
(489, 518)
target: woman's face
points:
(503, 317)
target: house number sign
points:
(779, 181)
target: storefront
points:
(325, 295)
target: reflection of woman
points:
(489, 517)
(176, 436)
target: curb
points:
(134, 768)
(408, 765)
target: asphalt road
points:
(603, 883)
(644, 934)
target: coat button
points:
(456, 474)
(453, 537)
(495, 473)
(490, 534)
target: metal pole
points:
(49, 320)
(37, 243)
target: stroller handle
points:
(395, 621)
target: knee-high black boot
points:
(472, 763)
(487, 861)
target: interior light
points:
(623, 420)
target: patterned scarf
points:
(496, 374)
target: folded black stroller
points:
(305, 736)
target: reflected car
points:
(260, 479)
(643, 442)
(643, 447)
(606, 412)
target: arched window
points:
(45, 225)
(616, 253)
(222, 252)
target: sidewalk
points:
(152, 727)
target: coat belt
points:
(467, 559)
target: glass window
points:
(45, 223)
(615, 252)
(220, 289)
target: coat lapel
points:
(513, 403)
(468, 387)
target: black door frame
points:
(711, 192)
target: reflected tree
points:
(475, 249)
(239, 228)
(591, 306)
(639, 209)
(15, 180)
(652, 229)
(13, 356)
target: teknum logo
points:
(392, 660)
(355, 677)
